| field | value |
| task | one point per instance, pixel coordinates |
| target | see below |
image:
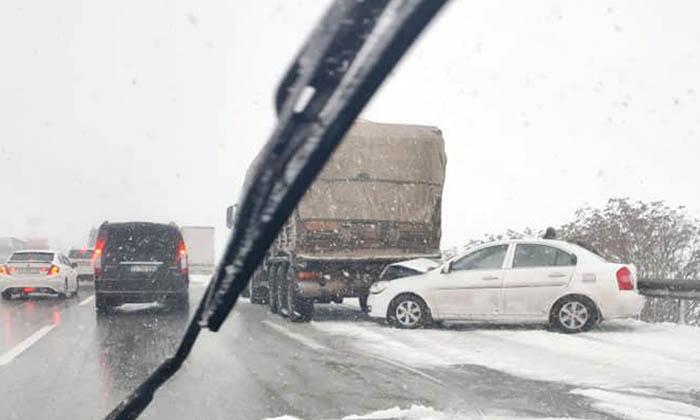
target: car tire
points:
(573, 314)
(408, 311)
(7, 296)
(181, 303)
(272, 302)
(102, 305)
(77, 288)
(65, 293)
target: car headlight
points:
(378, 287)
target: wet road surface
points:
(59, 360)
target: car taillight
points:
(624, 279)
(53, 270)
(181, 258)
(4, 270)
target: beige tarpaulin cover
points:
(380, 172)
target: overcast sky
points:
(153, 110)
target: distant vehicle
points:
(38, 243)
(408, 268)
(9, 245)
(140, 262)
(540, 281)
(376, 202)
(38, 272)
(83, 258)
(199, 241)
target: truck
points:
(376, 202)
(37, 243)
(199, 241)
(8, 246)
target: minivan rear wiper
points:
(344, 61)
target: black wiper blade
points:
(345, 60)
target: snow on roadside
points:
(636, 407)
(419, 412)
(620, 355)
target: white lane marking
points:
(87, 300)
(15, 351)
(405, 367)
(312, 344)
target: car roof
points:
(45, 251)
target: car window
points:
(483, 259)
(32, 257)
(397, 272)
(80, 253)
(530, 255)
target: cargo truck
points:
(376, 202)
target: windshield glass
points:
(571, 127)
(32, 256)
(80, 253)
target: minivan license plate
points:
(143, 268)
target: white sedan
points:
(28, 273)
(517, 281)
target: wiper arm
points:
(345, 60)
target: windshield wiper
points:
(344, 61)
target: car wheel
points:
(573, 314)
(409, 312)
(7, 296)
(77, 287)
(65, 293)
(181, 303)
(272, 301)
(102, 305)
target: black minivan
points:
(139, 262)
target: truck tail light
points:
(624, 279)
(308, 275)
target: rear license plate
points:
(143, 268)
(27, 270)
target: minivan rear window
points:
(32, 256)
(80, 253)
(139, 242)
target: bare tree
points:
(662, 242)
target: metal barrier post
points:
(682, 304)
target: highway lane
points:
(258, 366)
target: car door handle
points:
(490, 278)
(557, 275)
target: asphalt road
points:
(59, 360)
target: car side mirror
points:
(446, 268)
(74, 265)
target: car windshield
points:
(349, 209)
(80, 254)
(32, 256)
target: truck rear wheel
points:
(300, 309)
(363, 303)
(273, 290)
(282, 285)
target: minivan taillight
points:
(97, 257)
(624, 279)
(181, 257)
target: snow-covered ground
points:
(628, 368)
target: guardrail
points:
(680, 290)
